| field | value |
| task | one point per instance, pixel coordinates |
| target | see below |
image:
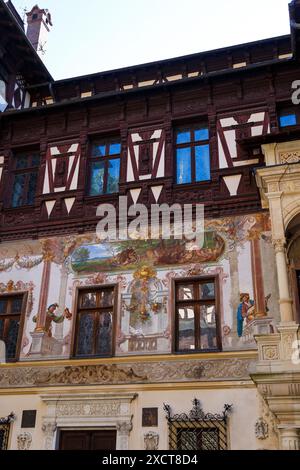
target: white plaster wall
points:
(245, 269)
(241, 422)
(16, 404)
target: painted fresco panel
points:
(144, 273)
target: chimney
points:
(38, 26)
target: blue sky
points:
(96, 35)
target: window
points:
(105, 167)
(196, 316)
(26, 166)
(288, 117)
(10, 317)
(197, 430)
(4, 430)
(94, 324)
(192, 155)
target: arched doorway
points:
(293, 253)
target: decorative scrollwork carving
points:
(151, 440)
(24, 441)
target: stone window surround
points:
(87, 411)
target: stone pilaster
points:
(123, 430)
(289, 438)
(285, 300)
(49, 429)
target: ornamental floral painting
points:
(144, 315)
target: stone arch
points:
(293, 255)
(290, 212)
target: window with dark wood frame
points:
(95, 322)
(25, 176)
(197, 321)
(105, 164)
(11, 308)
(192, 154)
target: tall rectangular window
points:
(26, 167)
(197, 322)
(94, 323)
(105, 167)
(10, 318)
(192, 155)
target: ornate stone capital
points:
(279, 245)
(49, 428)
(124, 427)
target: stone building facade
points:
(149, 343)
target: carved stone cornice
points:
(126, 373)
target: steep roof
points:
(16, 44)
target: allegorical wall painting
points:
(236, 249)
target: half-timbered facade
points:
(102, 342)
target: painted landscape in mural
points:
(128, 254)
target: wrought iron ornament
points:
(197, 430)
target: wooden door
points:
(88, 440)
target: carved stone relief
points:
(148, 372)
(151, 440)
(24, 441)
(289, 157)
(261, 429)
(49, 429)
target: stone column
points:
(289, 438)
(285, 301)
(123, 431)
